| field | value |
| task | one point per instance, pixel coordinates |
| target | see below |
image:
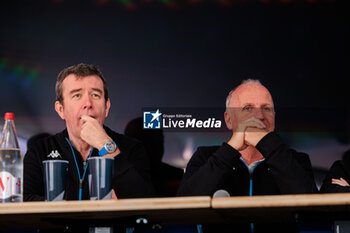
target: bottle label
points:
(9, 185)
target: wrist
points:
(109, 147)
(236, 146)
(102, 143)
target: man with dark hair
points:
(82, 102)
(254, 161)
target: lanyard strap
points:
(76, 164)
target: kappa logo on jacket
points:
(54, 154)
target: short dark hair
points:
(81, 70)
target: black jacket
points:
(284, 171)
(131, 168)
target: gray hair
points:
(247, 81)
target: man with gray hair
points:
(254, 161)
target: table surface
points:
(179, 210)
(301, 200)
(173, 211)
(287, 208)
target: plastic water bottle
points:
(11, 164)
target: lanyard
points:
(76, 164)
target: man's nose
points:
(87, 102)
(258, 113)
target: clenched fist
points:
(238, 139)
(93, 133)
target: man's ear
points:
(228, 120)
(59, 109)
(108, 106)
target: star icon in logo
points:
(156, 115)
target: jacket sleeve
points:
(206, 170)
(291, 170)
(133, 178)
(33, 183)
(337, 171)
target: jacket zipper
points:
(250, 186)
